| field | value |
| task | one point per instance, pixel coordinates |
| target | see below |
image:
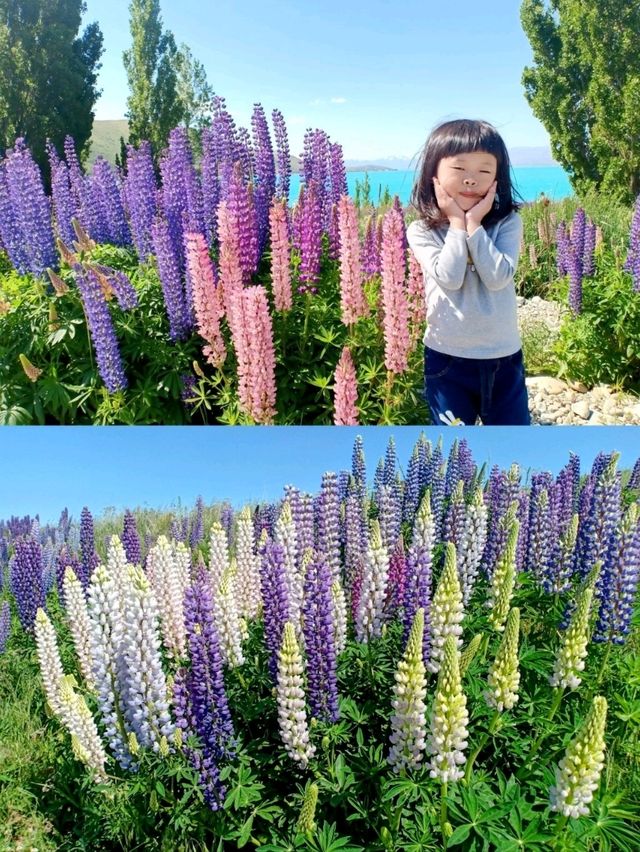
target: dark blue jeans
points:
(461, 389)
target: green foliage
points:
(192, 89)
(48, 74)
(584, 86)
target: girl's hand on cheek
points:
(477, 213)
(449, 207)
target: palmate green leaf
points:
(327, 839)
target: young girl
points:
(467, 241)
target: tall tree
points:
(153, 104)
(584, 86)
(194, 92)
(48, 74)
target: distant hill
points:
(105, 139)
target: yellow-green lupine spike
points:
(408, 722)
(504, 675)
(570, 659)
(578, 775)
(77, 719)
(292, 714)
(49, 660)
(504, 578)
(79, 624)
(446, 609)
(449, 719)
(468, 653)
(132, 741)
(32, 372)
(306, 824)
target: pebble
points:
(554, 402)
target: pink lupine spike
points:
(416, 297)
(345, 391)
(394, 299)
(252, 333)
(229, 260)
(207, 296)
(352, 299)
(280, 255)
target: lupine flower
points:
(472, 544)
(397, 577)
(319, 643)
(64, 205)
(283, 159)
(305, 824)
(180, 197)
(418, 576)
(285, 533)
(634, 479)
(248, 567)
(578, 775)
(337, 172)
(109, 200)
(85, 739)
(130, 539)
(504, 576)
(310, 208)
(140, 191)
(449, 718)
(228, 623)
(5, 625)
(346, 391)
(207, 296)
(115, 281)
(242, 214)
(562, 249)
(415, 298)
(559, 579)
(455, 516)
(618, 581)
(574, 640)
(87, 546)
(599, 514)
(541, 535)
(339, 617)
(79, 625)
(328, 526)
(100, 325)
(446, 610)
(231, 273)
(374, 588)
(280, 255)
(397, 342)
(170, 274)
(292, 716)
(49, 660)
(26, 580)
(632, 263)
(504, 674)
(370, 251)
(576, 260)
(252, 333)
(169, 585)
(274, 595)
(408, 722)
(265, 173)
(353, 303)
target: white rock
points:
(582, 409)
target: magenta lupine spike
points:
(283, 158)
(207, 297)
(397, 342)
(370, 250)
(310, 224)
(230, 267)
(241, 210)
(280, 255)
(345, 391)
(353, 303)
(416, 299)
(140, 192)
(252, 334)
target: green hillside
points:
(105, 139)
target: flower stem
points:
(443, 814)
(481, 745)
(545, 731)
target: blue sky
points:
(45, 469)
(374, 75)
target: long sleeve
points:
(496, 262)
(445, 263)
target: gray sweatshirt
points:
(471, 298)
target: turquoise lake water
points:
(530, 181)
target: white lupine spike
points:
(78, 720)
(446, 609)
(374, 587)
(228, 623)
(168, 579)
(339, 617)
(49, 659)
(449, 719)
(285, 534)
(578, 775)
(408, 722)
(218, 555)
(182, 559)
(118, 567)
(472, 546)
(292, 714)
(247, 581)
(79, 624)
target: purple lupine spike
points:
(283, 157)
(497, 503)
(390, 463)
(226, 142)
(273, 586)
(107, 187)
(64, 206)
(522, 515)
(265, 173)
(245, 155)
(319, 642)
(588, 258)
(226, 519)
(632, 263)
(540, 535)
(418, 591)
(48, 566)
(310, 235)
(88, 553)
(466, 464)
(66, 559)
(634, 479)
(355, 525)
(597, 527)
(122, 287)
(197, 528)
(412, 493)
(5, 625)
(328, 538)
(131, 539)
(576, 259)
(434, 464)
(566, 492)
(176, 530)
(562, 249)
(370, 250)
(140, 190)
(26, 581)
(242, 210)
(455, 517)
(453, 469)
(378, 479)
(389, 515)
(358, 466)
(397, 582)
(64, 524)
(28, 235)
(210, 183)
(424, 456)
(338, 172)
(618, 581)
(437, 499)
(100, 324)
(180, 324)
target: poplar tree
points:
(584, 86)
(48, 74)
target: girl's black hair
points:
(462, 136)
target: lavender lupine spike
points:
(329, 523)
(26, 581)
(419, 573)
(562, 249)
(210, 184)
(472, 545)
(455, 517)
(339, 617)
(79, 625)
(107, 192)
(131, 539)
(408, 722)
(283, 159)
(374, 588)
(446, 610)
(389, 515)
(632, 263)
(140, 191)
(453, 469)
(319, 641)
(180, 193)
(541, 536)
(588, 261)
(275, 600)
(169, 271)
(618, 582)
(558, 579)
(5, 625)
(265, 173)
(292, 716)
(87, 547)
(634, 480)
(412, 495)
(10, 234)
(64, 205)
(576, 260)
(397, 581)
